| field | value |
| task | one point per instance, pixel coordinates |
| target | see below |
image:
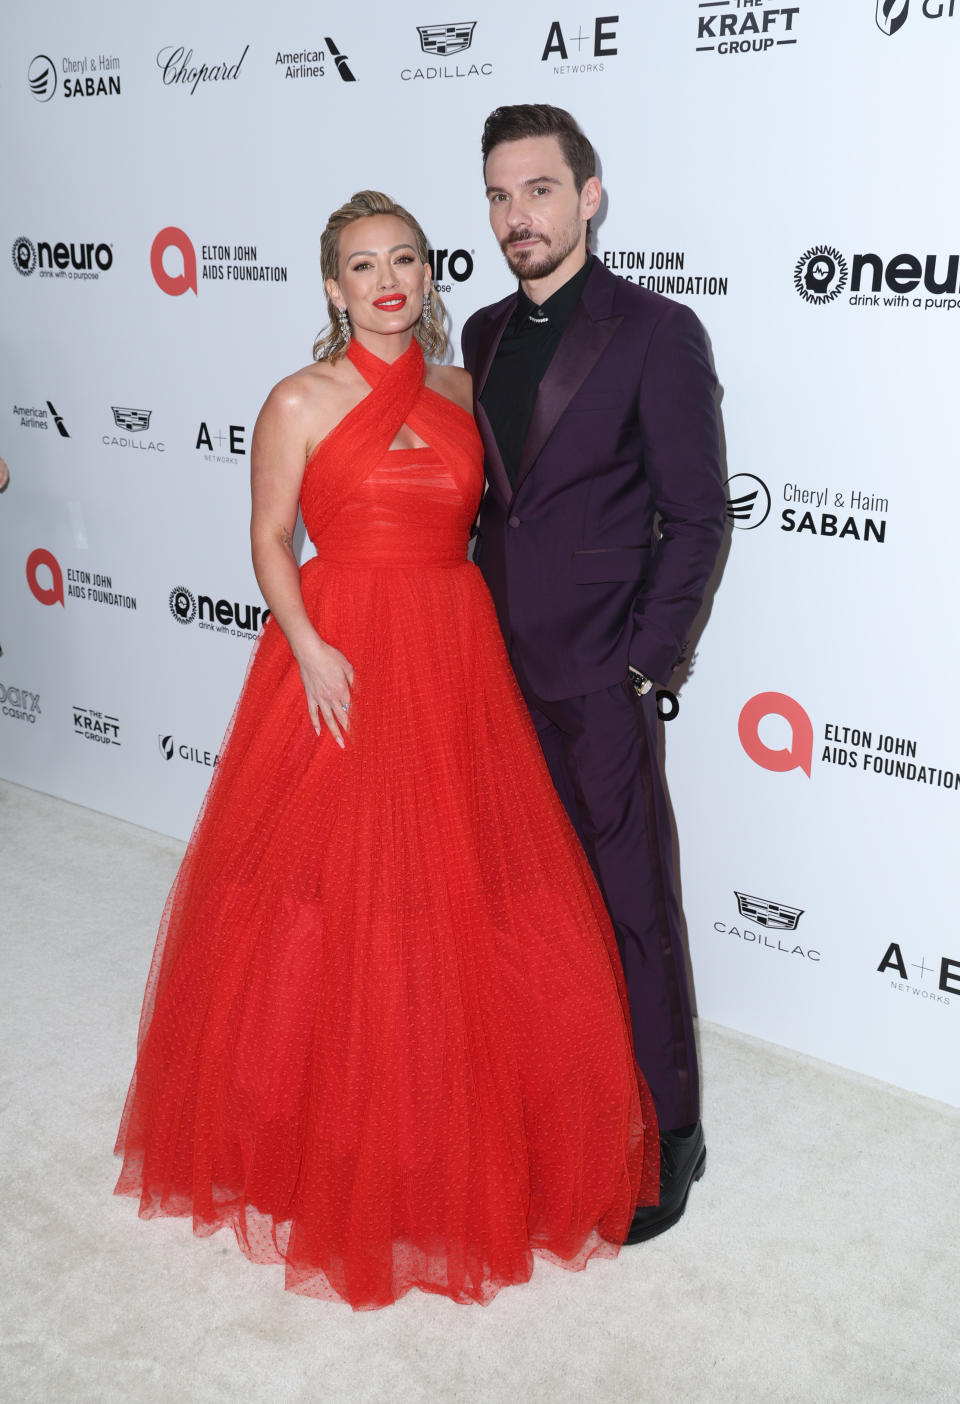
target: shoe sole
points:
(661, 1225)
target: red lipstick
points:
(393, 303)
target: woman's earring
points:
(344, 322)
(426, 316)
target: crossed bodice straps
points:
(342, 462)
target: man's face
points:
(536, 214)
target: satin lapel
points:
(493, 462)
(582, 345)
(490, 340)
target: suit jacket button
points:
(513, 521)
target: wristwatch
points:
(641, 683)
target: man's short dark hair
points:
(539, 119)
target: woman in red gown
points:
(385, 1036)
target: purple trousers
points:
(601, 750)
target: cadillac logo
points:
(446, 39)
(772, 916)
(132, 419)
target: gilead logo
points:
(174, 283)
(799, 754)
(45, 560)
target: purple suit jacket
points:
(601, 554)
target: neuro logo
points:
(798, 755)
(183, 605)
(42, 78)
(748, 501)
(892, 15)
(446, 39)
(166, 746)
(174, 283)
(38, 560)
(24, 255)
(341, 61)
(772, 916)
(821, 274)
(133, 419)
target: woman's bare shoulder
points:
(453, 383)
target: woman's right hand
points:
(327, 679)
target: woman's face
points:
(381, 280)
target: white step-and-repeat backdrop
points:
(786, 170)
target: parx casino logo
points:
(821, 274)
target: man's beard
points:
(532, 264)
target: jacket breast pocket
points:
(609, 564)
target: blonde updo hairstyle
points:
(329, 345)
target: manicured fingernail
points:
(340, 742)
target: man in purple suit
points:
(597, 536)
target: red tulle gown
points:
(385, 1036)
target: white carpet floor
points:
(819, 1258)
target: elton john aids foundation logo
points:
(175, 283)
(42, 564)
(798, 755)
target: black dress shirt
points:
(526, 349)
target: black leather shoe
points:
(683, 1159)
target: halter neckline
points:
(368, 364)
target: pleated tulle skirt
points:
(384, 1036)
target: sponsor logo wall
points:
(166, 195)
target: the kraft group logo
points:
(798, 755)
(174, 283)
(43, 560)
(892, 15)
